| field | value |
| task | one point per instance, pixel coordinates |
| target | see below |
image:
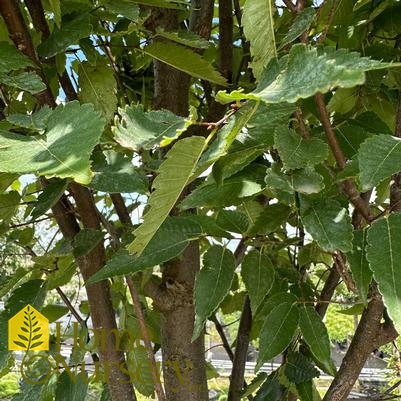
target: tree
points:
(161, 134)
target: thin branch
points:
(145, 336)
(302, 127)
(70, 306)
(348, 187)
(327, 292)
(330, 17)
(223, 336)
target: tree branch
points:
(348, 186)
(145, 337)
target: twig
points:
(330, 17)
(302, 127)
(223, 336)
(145, 336)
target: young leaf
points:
(258, 275)
(174, 175)
(378, 159)
(296, 152)
(186, 60)
(98, 86)
(71, 134)
(329, 225)
(314, 333)
(310, 70)
(384, 255)
(212, 284)
(258, 26)
(359, 265)
(277, 331)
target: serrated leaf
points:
(212, 284)
(174, 175)
(26, 81)
(139, 129)
(297, 152)
(98, 86)
(185, 60)
(9, 203)
(119, 176)
(186, 38)
(270, 219)
(72, 132)
(314, 333)
(127, 9)
(310, 70)
(169, 241)
(301, 24)
(231, 192)
(359, 265)
(68, 34)
(329, 225)
(350, 136)
(226, 135)
(233, 221)
(298, 368)
(36, 121)
(85, 241)
(12, 59)
(49, 197)
(257, 272)
(71, 388)
(277, 332)
(378, 159)
(258, 23)
(53, 312)
(137, 361)
(384, 255)
(271, 389)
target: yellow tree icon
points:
(28, 330)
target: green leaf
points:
(72, 132)
(314, 333)
(139, 129)
(329, 225)
(226, 135)
(298, 368)
(36, 121)
(310, 70)
(359, 265)
(270, 219)
(125, 8)
(85, 241)
(212, 284)
(258, 274)
(301, 23)
(378, 159)
(271, 389)
(185, 38)
(12, 59)
(49, 197)
(138, 363)
(27, 81)
(233, 221)
(54, 312)
(297, 152)
(185, 60)
(69, 389)
(257, 20)
(9, 203)
(174, 175)
(350, 136)
(169, 241)
(61, 275)
(119, 176)
(384, 255)
(277, 332)
(98, 86)
(69, 33)
(231, 192)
